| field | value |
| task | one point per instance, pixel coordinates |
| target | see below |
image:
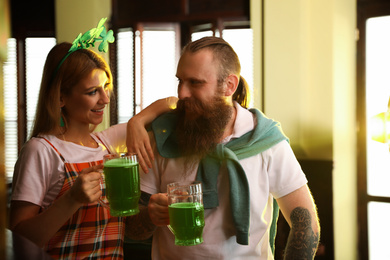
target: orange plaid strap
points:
(91, 232)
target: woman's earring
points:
(62, 122)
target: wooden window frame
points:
(365, 9)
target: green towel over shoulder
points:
(266, 134)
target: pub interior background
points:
(307, 71)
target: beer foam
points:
(120, 162)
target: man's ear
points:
(231, 84)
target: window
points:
(197, 35)
(378, 217)
(377, 97)
(125, 79)
(159, 58)
(11, 109)
(378, 154)
(373, 93)
(153, 67)
(242, 42)
(36, 52)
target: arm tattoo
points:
(140, 227)
(302, 242)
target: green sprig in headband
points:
(84, 41)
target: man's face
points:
(197, 74)
(202, 110)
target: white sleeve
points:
(285, 172)
(36, 171)
(151, 181)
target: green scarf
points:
(266, 134)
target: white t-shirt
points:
(273, 173)
(40, 172)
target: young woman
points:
(56, 183)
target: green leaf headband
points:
(84, 41)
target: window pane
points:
(377, 97)
(10, 109)
(36, 53)
(378, 228)
(158, 65)
(197, 35)
(125, 75)
(242, 42)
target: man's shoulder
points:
(245, 121)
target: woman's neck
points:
(83, 138)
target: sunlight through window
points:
(378, 154)
(36, 53)
(378, 225)
(158, 65)
(125, 78)
(377, 97)
(10, 109)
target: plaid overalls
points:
(91, 233)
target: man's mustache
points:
(191, 108)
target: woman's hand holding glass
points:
(86, 188)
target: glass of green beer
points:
(186, 212)
(122, 184)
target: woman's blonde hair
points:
(57, 81)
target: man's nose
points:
(183, 91)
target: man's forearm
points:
(302, 241)
(140, 226)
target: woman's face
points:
(87, 100)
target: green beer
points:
(122, 186)
(187, 222)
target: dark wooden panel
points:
(371, 1)
(32, 18)
(369, 9)
(126, 13)
(217, 6)
(319, 176)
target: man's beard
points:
(200, 127)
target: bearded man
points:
(242, 158)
